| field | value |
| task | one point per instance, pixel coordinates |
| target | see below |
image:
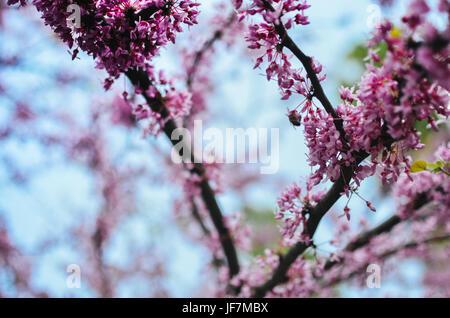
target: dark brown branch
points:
(146, 13)
(366, 237)
(217, 262)
(388, 254)
(385, 227)
(140, 79)
(316, 215)
(338, 188)
(306, 61)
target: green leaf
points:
(438, 167)
(418, 166)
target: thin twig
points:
(364, 238)
(206, 46)
(388, 254)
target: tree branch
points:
(385, 227)
(140, 79)
(388, 254)
(206, 46)
(316, 215)
(338, 188)
(306, 61)
(217, 262)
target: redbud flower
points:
(370, 206)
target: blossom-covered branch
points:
(315, 216)
(406, 248)
(123, 37)
(140, 80)
(308, 63)
(370, 119)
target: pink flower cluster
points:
(406, 240)
(120, 35)
(177, 102)
(254, 275)
(302, 277)
(264, 37)
(423, 207)
(325, 146)
(426, 186)
(122, 112)
(293, 211)
(381, 114)
(437, 275)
